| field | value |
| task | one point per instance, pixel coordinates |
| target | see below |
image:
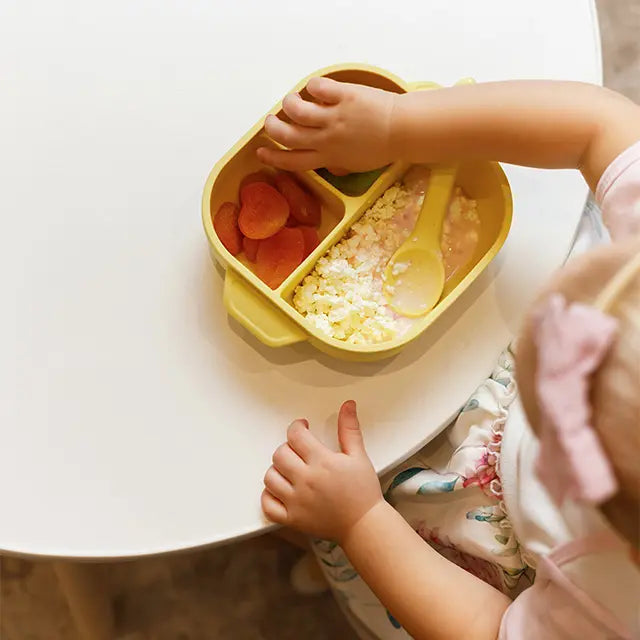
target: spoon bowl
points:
(418, 281)
(414, 277)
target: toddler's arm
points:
(337, 495)
(549, 124)
(433, 598)
(534, 123)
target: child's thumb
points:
(349, 434)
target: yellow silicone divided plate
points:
(269, 314)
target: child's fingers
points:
(326, 90)
(301, 440)
(277, 484)
(349, 434)
(273, 508)
(304, 112)
(288, 134)
(288, 463)
(290, 160)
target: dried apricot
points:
(279, 255)
(225, 224)
(264, 211)
(256, 176)
(250, 248)
(311, 239)
(305, 207)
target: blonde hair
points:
(607, 278)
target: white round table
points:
(136, 417)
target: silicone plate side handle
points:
(259, 316)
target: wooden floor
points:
(240, 592)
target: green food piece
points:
(353, 184)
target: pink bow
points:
(571, 343)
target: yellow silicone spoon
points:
(414, 277)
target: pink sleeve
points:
(618, 194)
(553, 608)
(546, 611)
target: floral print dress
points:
(450, 493)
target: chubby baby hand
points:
(319, 491)
(346, 126)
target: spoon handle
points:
(434, 206)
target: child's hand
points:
(349, 126)
(321, 492)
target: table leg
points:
(87, 598)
